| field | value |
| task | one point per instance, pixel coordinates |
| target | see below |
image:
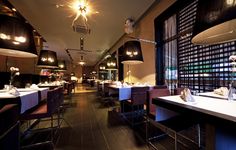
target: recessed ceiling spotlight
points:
(13, 9)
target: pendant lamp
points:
(132, 53)
(215, 22)
(16, 36)
(47, 59)
(111, 63)
(102, 66)
(61, 65)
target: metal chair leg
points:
(52, 128)
(199, 135)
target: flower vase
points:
(231, 92)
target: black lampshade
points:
(16, 37)
(61, 65)
(102, 66)
(111, 63)
(47, 59)
(215, 22)
(132, 53)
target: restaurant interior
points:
(118, 75)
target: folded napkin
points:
(14, 91)
(222, 91)
(187, 96)
(34, 86)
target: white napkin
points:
(187, 96)
(14, 91)
(222, 91)
(34, 86)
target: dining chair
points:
(169, 122)
(9, 127)
(177, 91)
(108, 98)
(45, 110)
(135, 104)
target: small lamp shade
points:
(132, 53)
(102, 66)
(47, 59)
(111, 63)
(215, 22)
(16, 37)
(61, 65)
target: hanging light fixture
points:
(132, 53)
(215, 22)
(81, 62)
(111, 63)
(47, 59)
(16, 36)
(61, 65)
(102, 66)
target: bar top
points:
(216, 107)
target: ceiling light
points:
(132, 53)
(16, 37)
(61, 65)
(215, 22)
(82, 63)
(81, 8)
(111, 63)
(13, 9)
(47, 59)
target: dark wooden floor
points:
(94, 127)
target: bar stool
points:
(169, 122)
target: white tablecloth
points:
(216, 107)
(124, 92)
(29, 97)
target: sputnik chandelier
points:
(82, 8)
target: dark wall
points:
(21, 80)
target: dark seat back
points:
(53, 100)
(154, 93)
(139, 95)
(177, 91)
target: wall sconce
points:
(132, 53)
(47, 59)
(16, 36)
(215, 22)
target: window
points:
(201, 68)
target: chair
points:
(46, 110)
(157, 92)
(107, 97)
(171, 123)
(9, 127)
(136, 103)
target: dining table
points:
(124, 92)
(27, 98)
(217, 114)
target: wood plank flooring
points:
(96, 128)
